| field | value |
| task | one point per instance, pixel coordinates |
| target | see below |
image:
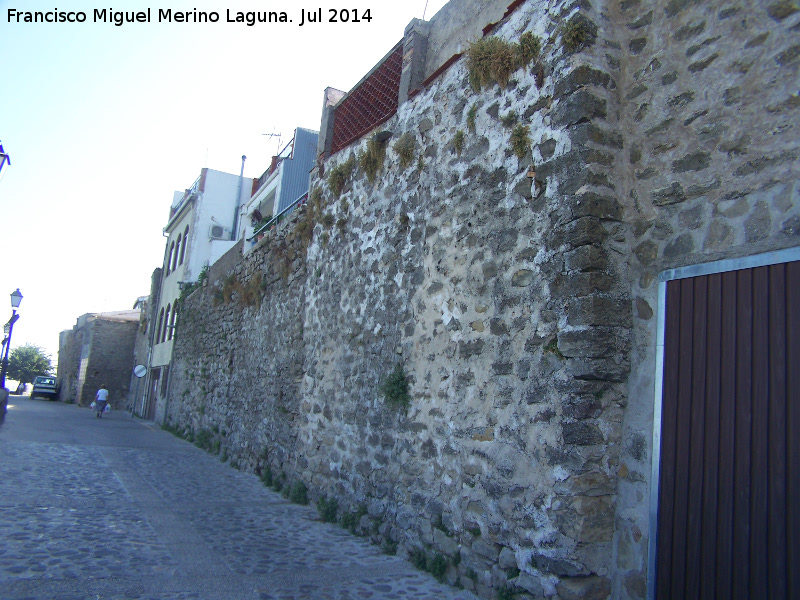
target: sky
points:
(103, 123)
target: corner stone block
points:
(595, 521)
(595, 342)
(596, 310)
(590, 132)
(582, 232)
(570, 168)
(580, 106)
(586, 258)
(573, 285)
(598, 369)
(592, 204)
(582, 76)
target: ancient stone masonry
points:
(239, 363)
(97, 351)
(502, 247)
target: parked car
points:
(45, 386)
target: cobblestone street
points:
(117, 509)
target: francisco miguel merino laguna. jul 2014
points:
(120, 18)
(167, 15)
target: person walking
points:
(100, 400)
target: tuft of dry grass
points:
(371, 160)
(577, 34)
(491, 60)
(404, 147)
(521, 140)
(338, 175)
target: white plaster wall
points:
(216, 206)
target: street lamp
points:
(4, 162)
(16, 298)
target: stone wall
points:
(517, 292)
(110, 361)
(69, 354)
(97, 351)
(238, 358)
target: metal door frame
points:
(722, 266)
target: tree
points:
(27, 362)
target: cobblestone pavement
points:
(116, 509)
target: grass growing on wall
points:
(395, 387)
(458, 141)
(249, 294)
(471, 114)
(338, 175)
(509, 120)
(252, 291)
(529, 48)
(521, 140)
(577, 34)
(404, 147)
(371, 160)
(492, 59)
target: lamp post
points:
(4, 161)
(6, 329)
(16, 298)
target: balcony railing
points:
(277, 218)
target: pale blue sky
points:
(103, 123)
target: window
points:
(177, 250)
(160, 325)
(183, 248)
(166, 322)
(169, 258)
(172, 322)
(175, 256)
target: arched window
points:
(172, 322)
(169, 259)
(160, 325)
(166, 324)
(175, 256)
(183, 248)
(177, 250)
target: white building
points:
(199, 231)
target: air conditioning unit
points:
(218, 232)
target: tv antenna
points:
(273, 135)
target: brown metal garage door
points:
(729, 482)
